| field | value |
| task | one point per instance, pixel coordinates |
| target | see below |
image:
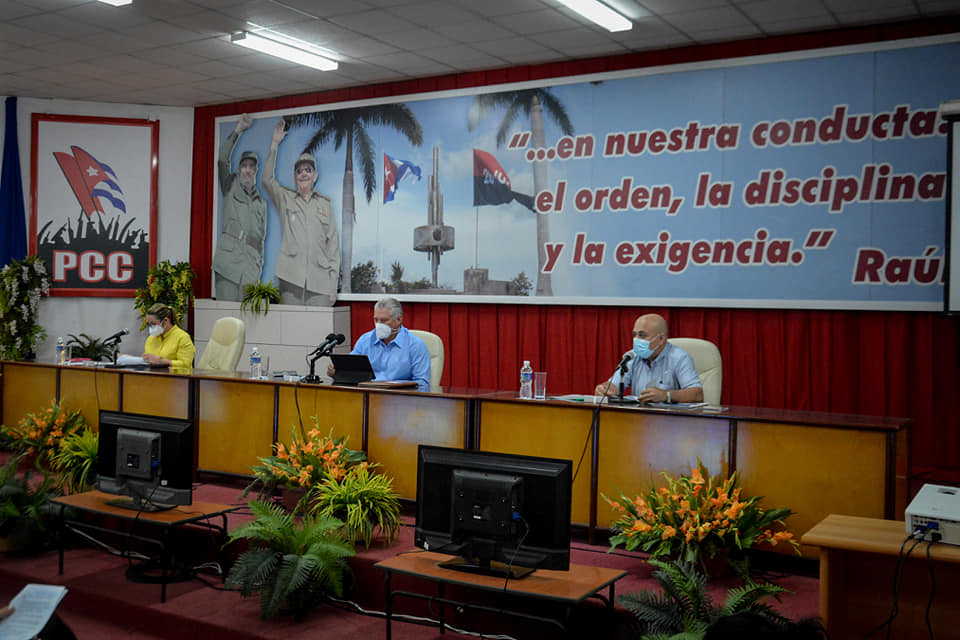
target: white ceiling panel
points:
(166, 51)
(415, 39)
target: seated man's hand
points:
(652, 394)
(606, 389)
(330, 370)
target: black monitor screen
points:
(494, 507)
(148, 458)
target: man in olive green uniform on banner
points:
(243, 220)
(308, 265)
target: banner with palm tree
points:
(810, 183)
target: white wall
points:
(103, 316)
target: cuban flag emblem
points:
(91, 181)
(393, 172)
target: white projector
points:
(935, 510)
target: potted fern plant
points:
(683, 610)
(257, 297)
(76, 461)
(85, 346)
(292, 562)
(363, 499)
(23, 501)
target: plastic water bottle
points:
(256, 369)
(61, 347)
(526, 381)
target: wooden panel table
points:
(814, 463)
(858, 558)
(566, 588)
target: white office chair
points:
(227, 339)
(435, 347)
(708, 363)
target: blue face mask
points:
(641, 347)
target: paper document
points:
(32, 608)
(127, 361)
(575, 397)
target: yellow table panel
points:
(399, 423)
(236, 425)
(156, 395)
(26, 389)
(535, 429)
(815, 471)
(90, 390)
(339, 411)
(635, 447)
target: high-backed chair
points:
(227, 339)
(435, 347)
(708, 363)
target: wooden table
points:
(567, 588)
(96, 502)
(812, 462)
(858, 558)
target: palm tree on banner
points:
(348, 128)
(531, 102)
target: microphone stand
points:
(312, 377)
(619, 398)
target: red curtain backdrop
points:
(894, 364)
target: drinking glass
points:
(540, 385)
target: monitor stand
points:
(486, 568)
(137, 504)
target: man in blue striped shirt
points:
(658, 371)
(394, 352)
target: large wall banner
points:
(811, 180)
(94, 202)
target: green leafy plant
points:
(38, 434)
(22, 284)
(293, 561)
(310, 459)
(696, 515)
(363, 499)
(682, 608)
(76, 461)
(85, 346)
(22, 501)
(169, 283)
(258, 297)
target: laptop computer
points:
(351, 369)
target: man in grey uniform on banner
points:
(308, 265)
(243, 220)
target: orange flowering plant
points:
(38, 435)
(696, 515)
(310, 459)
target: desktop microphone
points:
(332, 340)
(117, 335)
(627, 357)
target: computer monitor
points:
(503, 514)
(147, 458)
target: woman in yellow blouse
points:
(168, 344)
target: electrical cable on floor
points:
(407, 617)
(935, 538)
(897, 574)
(103, 545)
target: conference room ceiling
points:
(177, 52)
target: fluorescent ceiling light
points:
(285, 47)
(117, 3)
(599, 13)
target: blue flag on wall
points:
(13, 223)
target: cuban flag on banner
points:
(393, 172)
(90, 180)
(491, 184)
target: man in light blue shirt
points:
(658, 371)
(394, 352)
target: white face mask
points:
(155, 330)
(383, 330)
